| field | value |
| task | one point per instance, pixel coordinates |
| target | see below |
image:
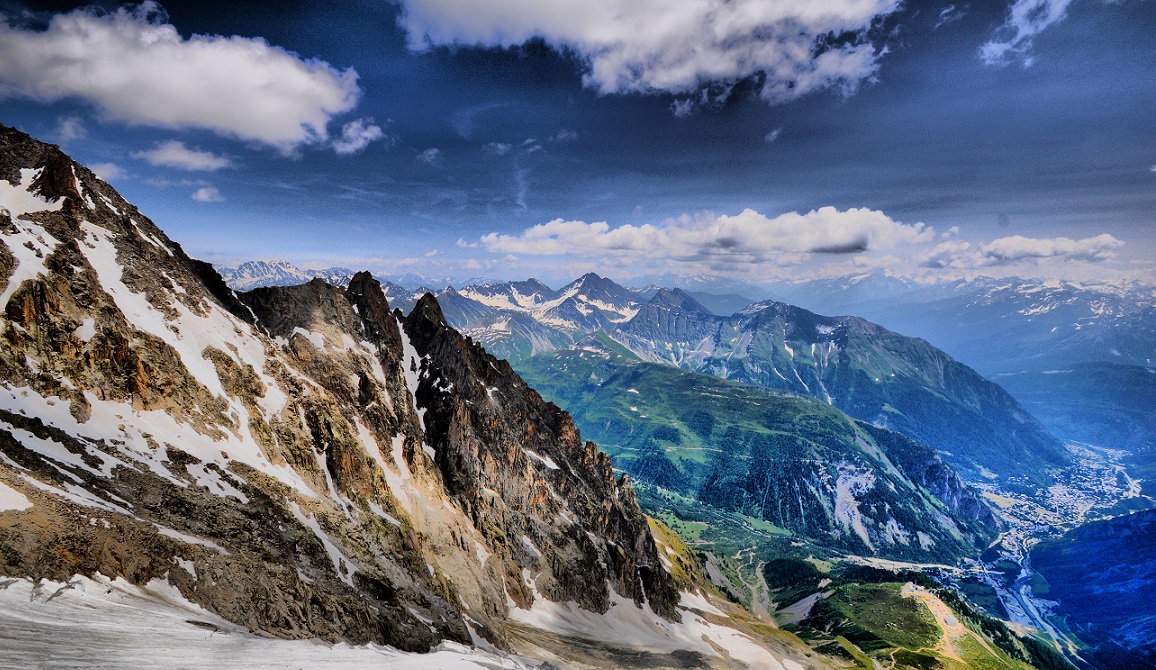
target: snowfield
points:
(109, 623)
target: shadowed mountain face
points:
(789, 460)
(1104, 576)
(1078, 356)
(871, 373)
(300, 460)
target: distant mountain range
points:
(515, 320)
(872, 373)
(256, 274)
(1003, 325)
(1080, 356)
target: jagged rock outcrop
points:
(486, 424)
(160, 435)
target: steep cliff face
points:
(518, 468)
(298, 460)
(924, 467)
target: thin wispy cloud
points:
(521, 186)
(682, 108)
(164, 182)
(641, 47)
(69, 128)
(134, 67)
(948, 15)
(207, 194)
(356, 136)
(108, 171)
(1013, 41)
(175, 154)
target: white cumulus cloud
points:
(136, 68)
(356, 135)
(1018, 247)
(431, 156)
(1026, 19)
(748, 237)
(823, 242)
(208, 194)
(175, 154)
(676, 47)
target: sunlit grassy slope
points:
(770, 461)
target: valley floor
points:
(1095, 486)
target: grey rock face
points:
(492, 433)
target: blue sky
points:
(748, 139)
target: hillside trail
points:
(761, 604)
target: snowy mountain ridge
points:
(255, 274)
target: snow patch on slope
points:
(110, 623)
(20, 200)
(342, 564)
(629, 625)
(13, 500)
(30, 246)
(140, 436)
